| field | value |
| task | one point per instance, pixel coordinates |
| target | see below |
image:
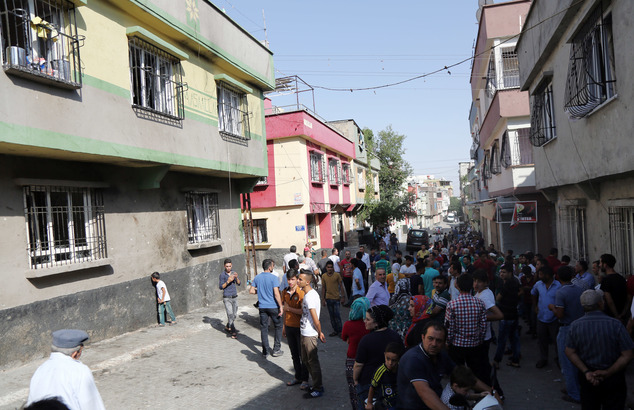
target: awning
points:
(339, 208)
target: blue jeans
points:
(335, 316)
(362, 394)
(568, 369)
(162, 307)
(265, 315)
(508, 330)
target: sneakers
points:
(277, 353)
(313, 394)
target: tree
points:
(395, 203)
(455, 205)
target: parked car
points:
(415, 238)
(451, 218)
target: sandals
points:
(304, 386)
(293, 382)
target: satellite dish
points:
(478, 13)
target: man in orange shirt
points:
(292, 298)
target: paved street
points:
(196, 365)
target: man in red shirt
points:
(552, 260)
(346, 275)
(484, 262)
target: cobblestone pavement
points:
(196, 365)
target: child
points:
(461, 381)
(384, 379)
(163, 300)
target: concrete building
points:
(576, 64)
(500, 123)
(432, 199)
(128, 129)
(310, 184)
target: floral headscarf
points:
(402, 289)
(358, 308)
(421, 308)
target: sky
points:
(358, 44)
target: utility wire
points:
(447, 67)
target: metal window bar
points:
(572, 222)
(521, 148)
(233, 113)
(486, 170)
(543, 117)
(311, 225)
(591, 79)
(333, 166)
(491, 79)
(259, 232)
(39, 39)
(64, 225)
(203, 222)
(505, 151)
(346, 173)
(510, 69)
(474, 148)
(495, 160)
(316, 165)
(156, 80)
(622, 237)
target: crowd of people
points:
(417, 318)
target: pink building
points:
(307, 192)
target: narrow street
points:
(194, 364)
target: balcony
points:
(505, 104)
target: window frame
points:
(317, 167)
(345, 173)
(51, 220)
(47, 50)
(237, 107)
(573, 232)
(260, 236)
(155, 80)
(334, 171)
(495, 159)
(543, 126)
(621, 225)
(208, 213)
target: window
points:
(334, 171)
(572, 220)
(361, 179)
(345, 173)
(64, 225)
(202, 217)
(311, 224)
(39, 40)
(543, 116)
(510, 68)
(622, 237)
(495, 159)
(317, 167)
(591, 78)
(155, 78)
(516, 148)
(259, 232)
(262, 181)
(486, 169)
(491, 79)
(233, 113)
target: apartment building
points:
(128, 129)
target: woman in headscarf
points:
(399, 303)
(420, 309)
(353, 330)
(371, 349)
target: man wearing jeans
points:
(507, 301)
(267, 287)
(310, 329)
(227, 282)
(567, 308)
(543, 294)
(332, 293)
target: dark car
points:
(415, 238)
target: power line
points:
(447, 67)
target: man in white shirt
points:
(64, 376)
(310, 329)
(366, 257)
(408, 269)
(289, 256)
(335, 260)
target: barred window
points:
(334, 172)
(202, 217)
(156, 82)
(39, 40)
(64, 225)
(622, 238)
(233, 113)
(361, 179)
(491, 79)
(311, 225)
(591, 78)
(572, 223)
(543, 116)
(516, 148)
(495, 159)
(317, 167)
(259, 232)
(486, 169)
(345, 173)
(510, 68)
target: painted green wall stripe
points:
(156, 40)
(36, 137)
(194, 36)
(189, 114)
(106, 86)
(201, 92)
(234, 82)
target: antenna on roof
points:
(266, 40)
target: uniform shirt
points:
(294, 300)
(307, 324)
(466, 321)
(265, 282)
(568, 298)
(370, 352)
(598, 340)
(384, 381)
(68, 379)
(160, 285)
(545, 297)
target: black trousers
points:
(476, 358)
(610, 394)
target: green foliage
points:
(396, 202)
(455, 205)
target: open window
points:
(40, 41)
(203, 220)
(233, 112)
